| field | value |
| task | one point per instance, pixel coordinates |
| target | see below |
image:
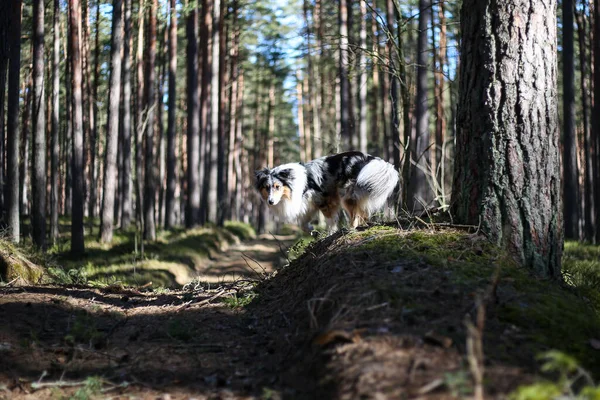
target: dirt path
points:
(58, 342)
(248, 260)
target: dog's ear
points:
(285, 173)
(260, 175)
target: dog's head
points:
(274, 184)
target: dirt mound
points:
(382, 313)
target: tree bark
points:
(507, 175)
(38, 183)
(54, 179)
(77, 242)
(12, 123)
(112, 135)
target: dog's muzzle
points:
(271, 202)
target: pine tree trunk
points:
(595, 136)
(54, 180)
(12, 123)
(419, 193)
(126, 205)
(375, 140)
(93, 145)
(437, 163)
(140, 120)
(222, 203)
(38, 182)
(394, 64)
(319, 111)
(77, 242)
(192, 213)
(344, 106)
(172, 131)
(588, 195)
(4, 57)
(570, 173)
(26, 139)
(112, 134)
(150, 105)
(362, 84)
(213, 166)
(205, 89)
(507, 175)
(234, 77)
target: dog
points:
(359, 183)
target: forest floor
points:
(378, 313)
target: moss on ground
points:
(172, 260)
(393, 285)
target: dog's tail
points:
(374, 185)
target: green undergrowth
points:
(171, 261)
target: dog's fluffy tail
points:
(374, 185)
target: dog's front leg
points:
(305, 224)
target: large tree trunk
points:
(77, 242)
(172, 132)
(192, 211)
(112, 134)
(38, 217)
(12, 123)
(55, 149)
(571, 176)
(150, 105)
(127, 203)
(507, 175)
